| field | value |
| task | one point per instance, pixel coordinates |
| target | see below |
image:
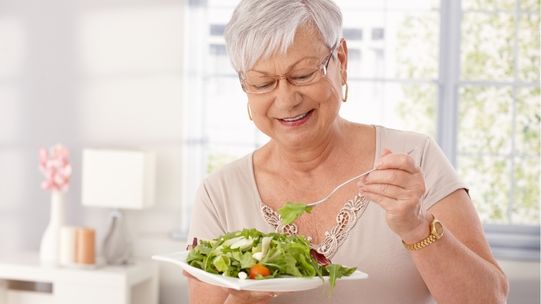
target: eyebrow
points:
(290, 67)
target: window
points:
(468, 75)
(498, 105)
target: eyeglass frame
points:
(324, 65)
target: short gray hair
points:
(259, 29)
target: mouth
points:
(296, 120)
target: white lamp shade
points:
(121, 179)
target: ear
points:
(342, 54)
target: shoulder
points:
(425, 151)
(401, 141)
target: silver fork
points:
(349, 181)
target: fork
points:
(347, 182)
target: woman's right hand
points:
(201, 292)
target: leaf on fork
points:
(292, 211)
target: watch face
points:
(437, 228)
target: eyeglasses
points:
(304, 73)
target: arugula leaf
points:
(337, 271)
(292, 211)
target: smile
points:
(296, 120)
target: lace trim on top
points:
(346, 219)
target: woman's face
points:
(297, 116)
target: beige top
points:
(228, 200)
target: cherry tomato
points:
(259, 269)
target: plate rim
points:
(179, 258)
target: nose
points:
(286, 95)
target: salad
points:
(251, 254)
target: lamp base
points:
(117, 246)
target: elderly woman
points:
(409, 224)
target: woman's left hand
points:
(398, 187)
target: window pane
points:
(226, 112)
(395, 105)
(413, 46)
(528, 43)
(218, 62)
(526, 191)
(219, 155)
(487, 46)
(485, 120)
(393, 44)
(416, 108)
(367, 51)
(417, 5)
(488, 180)
(488, 4)
(528, 121)
(529, 5)
(347, 5)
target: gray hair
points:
(259, 29)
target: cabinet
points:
(24, 281)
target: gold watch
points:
(436, 232)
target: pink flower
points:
(55, 166)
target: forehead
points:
(307, 44)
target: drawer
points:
(28, 297)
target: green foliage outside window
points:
(498, 152)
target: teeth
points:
(295, 118)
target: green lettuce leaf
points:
(292, 211)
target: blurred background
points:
(154, 75)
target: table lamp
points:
(118, 179)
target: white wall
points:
(524, 281)
(90, 73)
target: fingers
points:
(386, 152)
(386, 191)
(399, 161)
(397, 185)
(237, 296)
(396, 177)
(393, 177)
(188, 275)
(387, 203)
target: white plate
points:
(270, 285)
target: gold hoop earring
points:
(345, 94)
(249, 111)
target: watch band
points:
(436, 232)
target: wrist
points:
(435, 233)
(421, 231)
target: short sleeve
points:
(205, 221)
(441, 178)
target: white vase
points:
(49, 250)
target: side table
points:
(131, 284)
